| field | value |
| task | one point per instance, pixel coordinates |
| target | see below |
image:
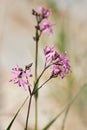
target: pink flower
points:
(65, 63)
(55, 71)
(20, 77)
(60, 65)
(47, 27)
(50, 53)
(44, 12)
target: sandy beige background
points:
(17, 47)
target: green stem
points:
(37, 37)
(36, 95)
(36, 60)
(36, 113)
(36, 90)
(26, 126)
(38, 79)
(64, 120)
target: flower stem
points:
(36, 95)
(36, 90)
(36, 113)
(28, 112)
(36, 60)
(37, 37)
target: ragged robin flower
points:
(20, 76)
(44, 12)
(50, 54)
(47, 27)
(59, 64)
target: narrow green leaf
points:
(66, 107)
(52, 121)
(10, 125)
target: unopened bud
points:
(27, 67)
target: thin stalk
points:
(66, 108)
(36, 113)
(36, 95)
(41, 86)
(28, 112)
(69, 105)
(37, 37)
(29, 89)
(64, 120)
(38, 79)
(36, 104)
(36, 60)
(45, 68)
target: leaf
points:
(66, 107)
(52, 121)
(11, 123)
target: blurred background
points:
(17, 47)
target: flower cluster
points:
(43, 14)
(50, 53)
(59, 64)
(20, 76)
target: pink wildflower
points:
(60, 65)
(47, 27)
(50, 53)
(44, 12)
(55, 71)
(19, 76)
